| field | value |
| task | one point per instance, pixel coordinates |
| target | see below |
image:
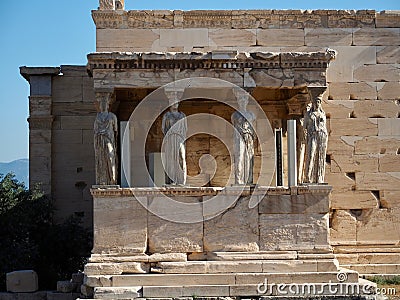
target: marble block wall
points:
(362, 103)
(282, 220)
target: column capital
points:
(105, 94)
(297, 104)
(40, 122)
(317, 91)
(27, 72)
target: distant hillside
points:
(19, 167)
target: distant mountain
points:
(19, 167)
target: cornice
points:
(244, 19)
(210, 60)
(27, 72)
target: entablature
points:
(219, 59)
(249, 70)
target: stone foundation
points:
(235, 220)
(251, 236)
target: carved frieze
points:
(109, 19)
(255, 19)
(238, 19)
(210, 60)
(351, 18)
(207, 19)
(244, 69)
(150, 19)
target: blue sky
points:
(61, 32)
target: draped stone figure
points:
(174, 128)
(316, 142)
(301, 144)
(243, 139)
(105, 144)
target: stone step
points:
(116, 268)
(230, 278)
(368, 258)
(261, 289)
(374, 268)
(144, 258)
(106, 293)
(265, 288)
(207, 256)
(365, 249)
(385, 276)
(265, 255)
(250, 266)
(213, 267)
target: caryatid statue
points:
(243, 139)
(316, 139)
(174, 128)
(105, 142)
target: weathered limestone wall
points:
(362, 105)
(61, 154)
(72, 148)
(255, 30)
(362, 102)
(282, 219)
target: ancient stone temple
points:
(226, 153)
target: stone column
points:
(40, 125)
(292, 153)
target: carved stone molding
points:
(173, 191)
(40, 122)
(150, 19)
(237, 19)
(249, 70)
(210, 191)
(210, 60)
(108, 19)
(207, 19)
